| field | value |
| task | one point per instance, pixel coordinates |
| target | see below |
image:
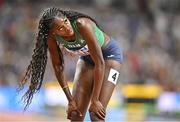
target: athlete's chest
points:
(71, 45)
(78, 47)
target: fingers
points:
(97, 116)
(69, 116)
(79, 113)
(101, 114)
(73, 114)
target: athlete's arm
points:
(58, 68)
(85, 27)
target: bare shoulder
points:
(84, 22)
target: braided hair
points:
(36, 69)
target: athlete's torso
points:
(79, 44)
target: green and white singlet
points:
(79, 43)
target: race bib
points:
(113, 76)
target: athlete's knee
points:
(94, 117)
(75, 117)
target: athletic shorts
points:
(112, 51)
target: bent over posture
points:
(97, 69)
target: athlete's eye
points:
(60, 28)
(66, 21)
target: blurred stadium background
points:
(149, 83)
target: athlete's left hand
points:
(97, 108)
(72, 107)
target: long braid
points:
(36, 69)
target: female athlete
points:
(97, 69)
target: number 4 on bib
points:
(113, 76)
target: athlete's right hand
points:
(72, 107)
(97, 108)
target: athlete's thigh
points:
(112, 67)
(82, 87)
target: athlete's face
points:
(62, 27)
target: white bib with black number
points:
(113, 76)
